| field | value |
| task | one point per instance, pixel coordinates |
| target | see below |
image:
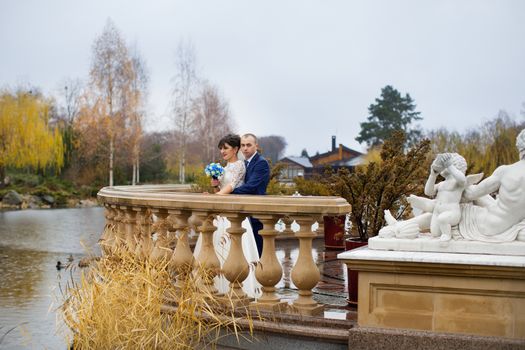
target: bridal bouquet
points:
(214, 170)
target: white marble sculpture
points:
(463, 209)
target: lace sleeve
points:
(238, 171)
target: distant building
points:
(295, 166)
(338, 157)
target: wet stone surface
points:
(332, 290)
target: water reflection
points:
(21, 273)
(52, 230)
(31, 243)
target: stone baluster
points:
(107, 239)
(130, 224)
(161, 250)
(115, 226)
(120, 226)
(207, 259)
(287, 221)
(320, 229)
(194, 221)
(113, 212)
(305, 274)
(268, 271)
(144, 244)
(182, 258)
(236, 268)
(287, 261)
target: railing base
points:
(235, 302)
(316, 310)
(286, 331)
(279, 307)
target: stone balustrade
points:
(134, 213)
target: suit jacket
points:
(256, 178)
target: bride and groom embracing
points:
(241, 176)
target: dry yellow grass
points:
(118, 302)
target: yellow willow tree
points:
(26, 139)
(501, 149)
(485, 148)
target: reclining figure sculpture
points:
(463, 208)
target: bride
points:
(232, 178)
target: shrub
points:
(316, 186)
(274, 186)
(24, 179)
(375, 187)
(201, 183)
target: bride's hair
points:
(230, 139)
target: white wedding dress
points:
(234, 175)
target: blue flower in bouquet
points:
(214, 170)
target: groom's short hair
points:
(250, 135)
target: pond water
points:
(31, 243)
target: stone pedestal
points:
(440, 292)
(426, 243)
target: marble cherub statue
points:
(481, 216)
(446, 210)
(443, 211)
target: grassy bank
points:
(37, 188)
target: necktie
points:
(246, 163)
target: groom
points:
(255, 180)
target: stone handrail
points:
(134, 213)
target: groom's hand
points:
(215, 182)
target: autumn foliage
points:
(95, 135)
(484, 148)
(26, 138)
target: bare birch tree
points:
(212, 120)
(71, 90)
(70, 94)
(185, 83)
(109, 78)
(136, 110)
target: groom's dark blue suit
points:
(255, 182)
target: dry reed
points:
(119, 303)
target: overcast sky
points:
(305, 70)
